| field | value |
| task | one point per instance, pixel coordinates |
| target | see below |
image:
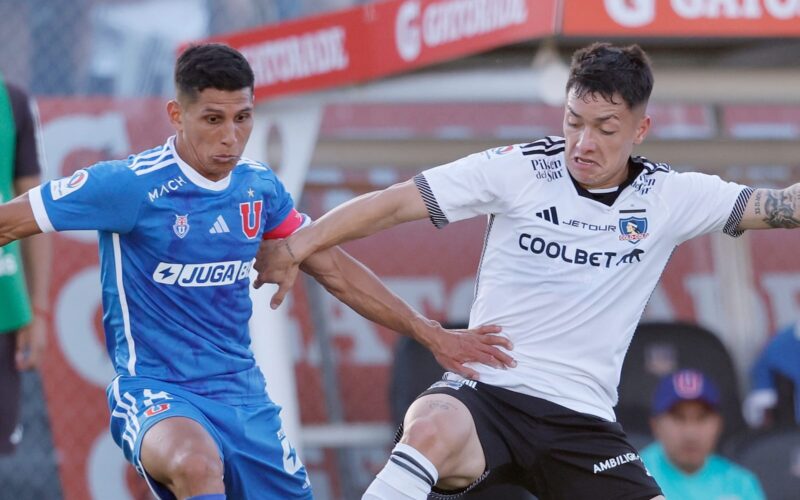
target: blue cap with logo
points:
(684, 385)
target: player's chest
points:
(200, 222)
(574, 233)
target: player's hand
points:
(453, 348)
(31, 342)
(276, 264)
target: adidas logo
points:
(550, 215)
(219, 226)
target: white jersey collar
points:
(193, 175)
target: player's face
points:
(213, 129)
(600, 136)
(689, 434)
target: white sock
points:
(408, 475)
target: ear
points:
(175, 115)
(641, 129)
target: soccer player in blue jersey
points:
(178, 227)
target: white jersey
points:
(565, 276)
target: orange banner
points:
(384, 38)
(697, 18)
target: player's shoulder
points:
(652, 168)
(551, 145)
(548, 146)
(247, 166)
(151, 161)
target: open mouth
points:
(583, 161)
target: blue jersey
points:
(175, 258)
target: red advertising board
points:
(666, 18)
(384, 38)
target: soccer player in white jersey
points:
(579, 232)
(179, 226)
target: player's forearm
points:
(358, 287)
(360, 217)
(17, 220)
(773, 208)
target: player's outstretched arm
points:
(358, 287)
(773, 208)
(17, 220)
(357, 218)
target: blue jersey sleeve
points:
(102, 197)
(279, 205)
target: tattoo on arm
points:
(780, 207)
(758, 196)
(437, 404)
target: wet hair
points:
(211, 65)
(607, 70)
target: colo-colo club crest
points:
(633, 229)
(181, 226)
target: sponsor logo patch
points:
(68, 185)
(615, 462)
(550, 215)
(156, 409)
(201, 275)
(495, 152)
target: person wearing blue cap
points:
(687, 424)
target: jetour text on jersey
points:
(555, 250)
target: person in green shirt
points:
(687, 425)
(24, 269)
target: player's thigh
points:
(442, 428)
(594, 456)
(179, 445)
(264, 463)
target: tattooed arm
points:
(769, 208)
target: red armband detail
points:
(287, 227)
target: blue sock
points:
(214, 496)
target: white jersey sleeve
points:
(701, 203)
(479, 184)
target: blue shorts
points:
(259, 462)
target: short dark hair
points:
(211, 65)
(604, 69)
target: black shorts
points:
(552, 451)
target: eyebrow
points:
(212, 109)
(598, 119)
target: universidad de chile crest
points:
(181, 226)
(633, 229)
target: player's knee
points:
(435, 436)
(188, 468)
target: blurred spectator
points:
(774, 400)
(687, 424)
(23, 309)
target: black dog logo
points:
(629, 257)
